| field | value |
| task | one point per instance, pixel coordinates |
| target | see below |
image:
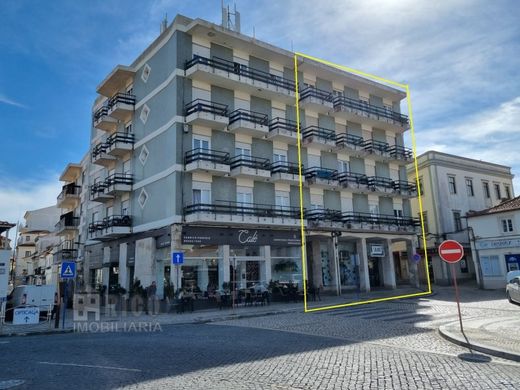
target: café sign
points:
(246, 237)
(498, 244)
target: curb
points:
(459, 340)
(37, 333)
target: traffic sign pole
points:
(64, 303)
(452, 252)
(457, 295)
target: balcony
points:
(206, 113)
(118, 183)
(207, 160)
(378, 150)
(324, 218)
(319, 138)
(316, 100)
(248, 122)
(97, 193)
(285, 172)
(400, 154)
(100, 156)
(353, 181)
(118, 144)
(121, 106)
(250, 167)
(110, 227)
(232, 75)
(322, 177)
(283, 130)
(350, 143)
(103, 121)
(405, 188)
(64, 254)
(69, 196)
(242, 213)
(379, 222)
(119, 78)
(68, 224)
(380, 117)
(382, 185)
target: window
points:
(27, 253)
(398, 213)
(507, 225)
(457, 221)
(490, 266)
(485, 186)
(128, 127)
(451, 185)
(425, 222)
(469, 187)
(125, 207)
(201, 196)
(282, 199)
(110, 211)
(508, 192)
(374, 210)
(343, 166)
(421, 186)
(243, 150)
(244, 196)
(316, 201)
(201, 142)
(95, 216)
(497, 191)
(27, 238)
(279, 155)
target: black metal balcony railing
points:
(201, 105)
(400, 152)
(379, 112)
(283, 124)
(373, 145)
(323, 215)
(201, 154)
(321, 173)
(99, 150)
(243, 160)
(97, 188)
(379, 219)
(316, 93)
(111, 221)
(67, 221)
(65, 254)
(69, 189)
(349, 178)
(100, 112)
(378, 181)
(242, 70)
(249, 116)
(119, 178)
(350, 140)
(285, 167)
(404, 186)
(244, 209)
(119, 137)
(123, 98)
(320, 132)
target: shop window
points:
(490, 265)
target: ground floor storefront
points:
(220, 259)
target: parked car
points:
(513, 290)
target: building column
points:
(123, 269)
(223, 265)
(266, 266)
(145, 269)
(335, 262)
(413, 266)
(364, 280)
(317, 272)
(388, 266)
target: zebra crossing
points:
(389, 313)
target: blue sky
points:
(460, 57)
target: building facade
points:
(194, 149)
(452, 186)
(496, 243)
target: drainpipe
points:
(473, 244)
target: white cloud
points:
(6, 100)
(18, 196)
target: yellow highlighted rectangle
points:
(300, 179)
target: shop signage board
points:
(232, 236)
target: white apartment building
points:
(452, 186)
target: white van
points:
(42, 296)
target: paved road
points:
(381, 346)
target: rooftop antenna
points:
(164, 23)
(233, 25)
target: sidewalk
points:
(122, 320)
(499, 336)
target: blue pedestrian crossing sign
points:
(177, 257)
(68, 270)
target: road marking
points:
(4, 342)
(91, 366)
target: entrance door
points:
(252, 273)
(374, 271)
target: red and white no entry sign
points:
(451, 251)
